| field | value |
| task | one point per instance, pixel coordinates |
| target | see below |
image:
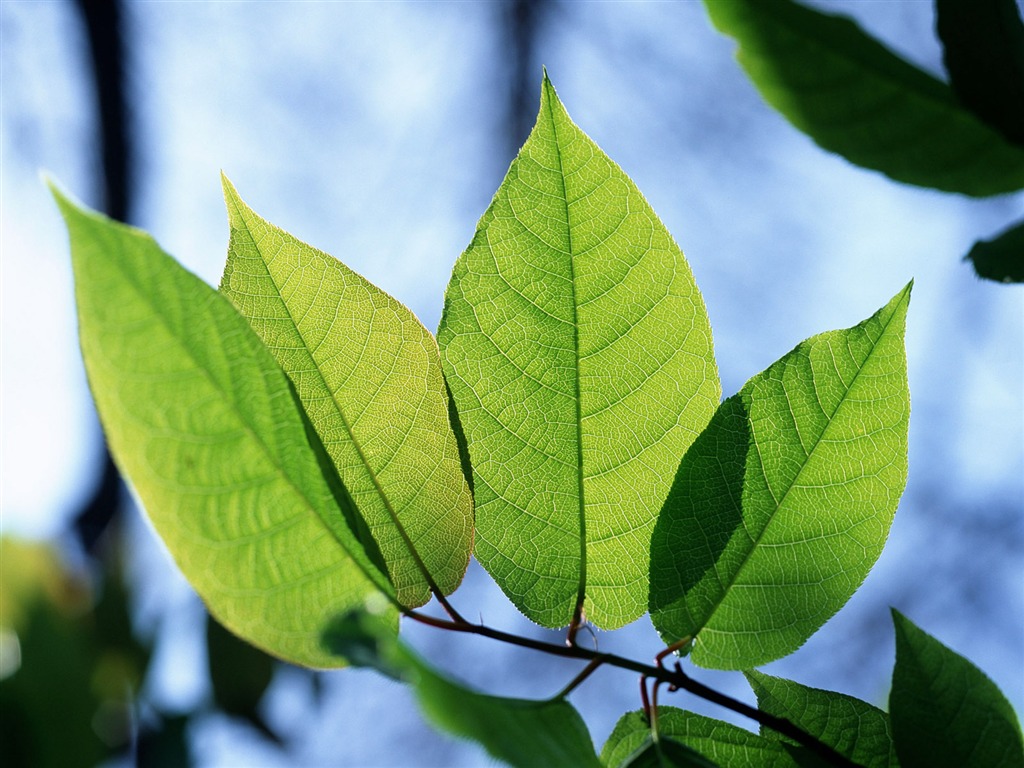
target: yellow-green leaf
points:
(369, 376)
(205, 426)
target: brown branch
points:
(675, 678)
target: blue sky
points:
(377, 133)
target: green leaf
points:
(164, 744)
(666, 753)
(722, 743)
(579, 354)
(783, 504)
(1002, 257)
(853, 96)
(206, 427)
(852, 727)
(520, 732)
(983, 49)
(369, 376)
(945, 711)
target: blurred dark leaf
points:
(520, 732)
(50, 694)
(239, 676)
(855, 97)
(983, 48)
(51, 690)
(123, 652)
(1002, 257)
(165, 745)
(68, 702)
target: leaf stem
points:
(675, 678)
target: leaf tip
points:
(71, 209)
(62, 198)
(901, 300)
(231, 196)
(902, 625)
(903, 297)
(548, 94)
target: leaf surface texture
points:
(783, 504)
(723, 743)
(205, 425)
(579, 354)
(946, 711)
(369, 376)
(851, 727)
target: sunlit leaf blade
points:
(369, 376)
(853, 96)
(945, 711)
(578, 351)
(722, 743)
(983, 49)
(852, 727)
(205, 426)
(519, 732)
(784, 502)
(1002, 257)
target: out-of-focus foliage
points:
(70, 663)
(855, 97)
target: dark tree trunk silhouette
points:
(102, 20)
(523, 22)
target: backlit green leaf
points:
(579, 354)
(855, 97)
(724, 744)
(206, 427)
(945, 711)
(520, 732)
(783, 504)
(369, 376)
(852, 727)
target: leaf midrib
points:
(778, 506)
(282, 473)
(420, 565)
(581, 589)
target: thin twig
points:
(676, 678)
(575, 682)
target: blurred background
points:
(379, 132)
